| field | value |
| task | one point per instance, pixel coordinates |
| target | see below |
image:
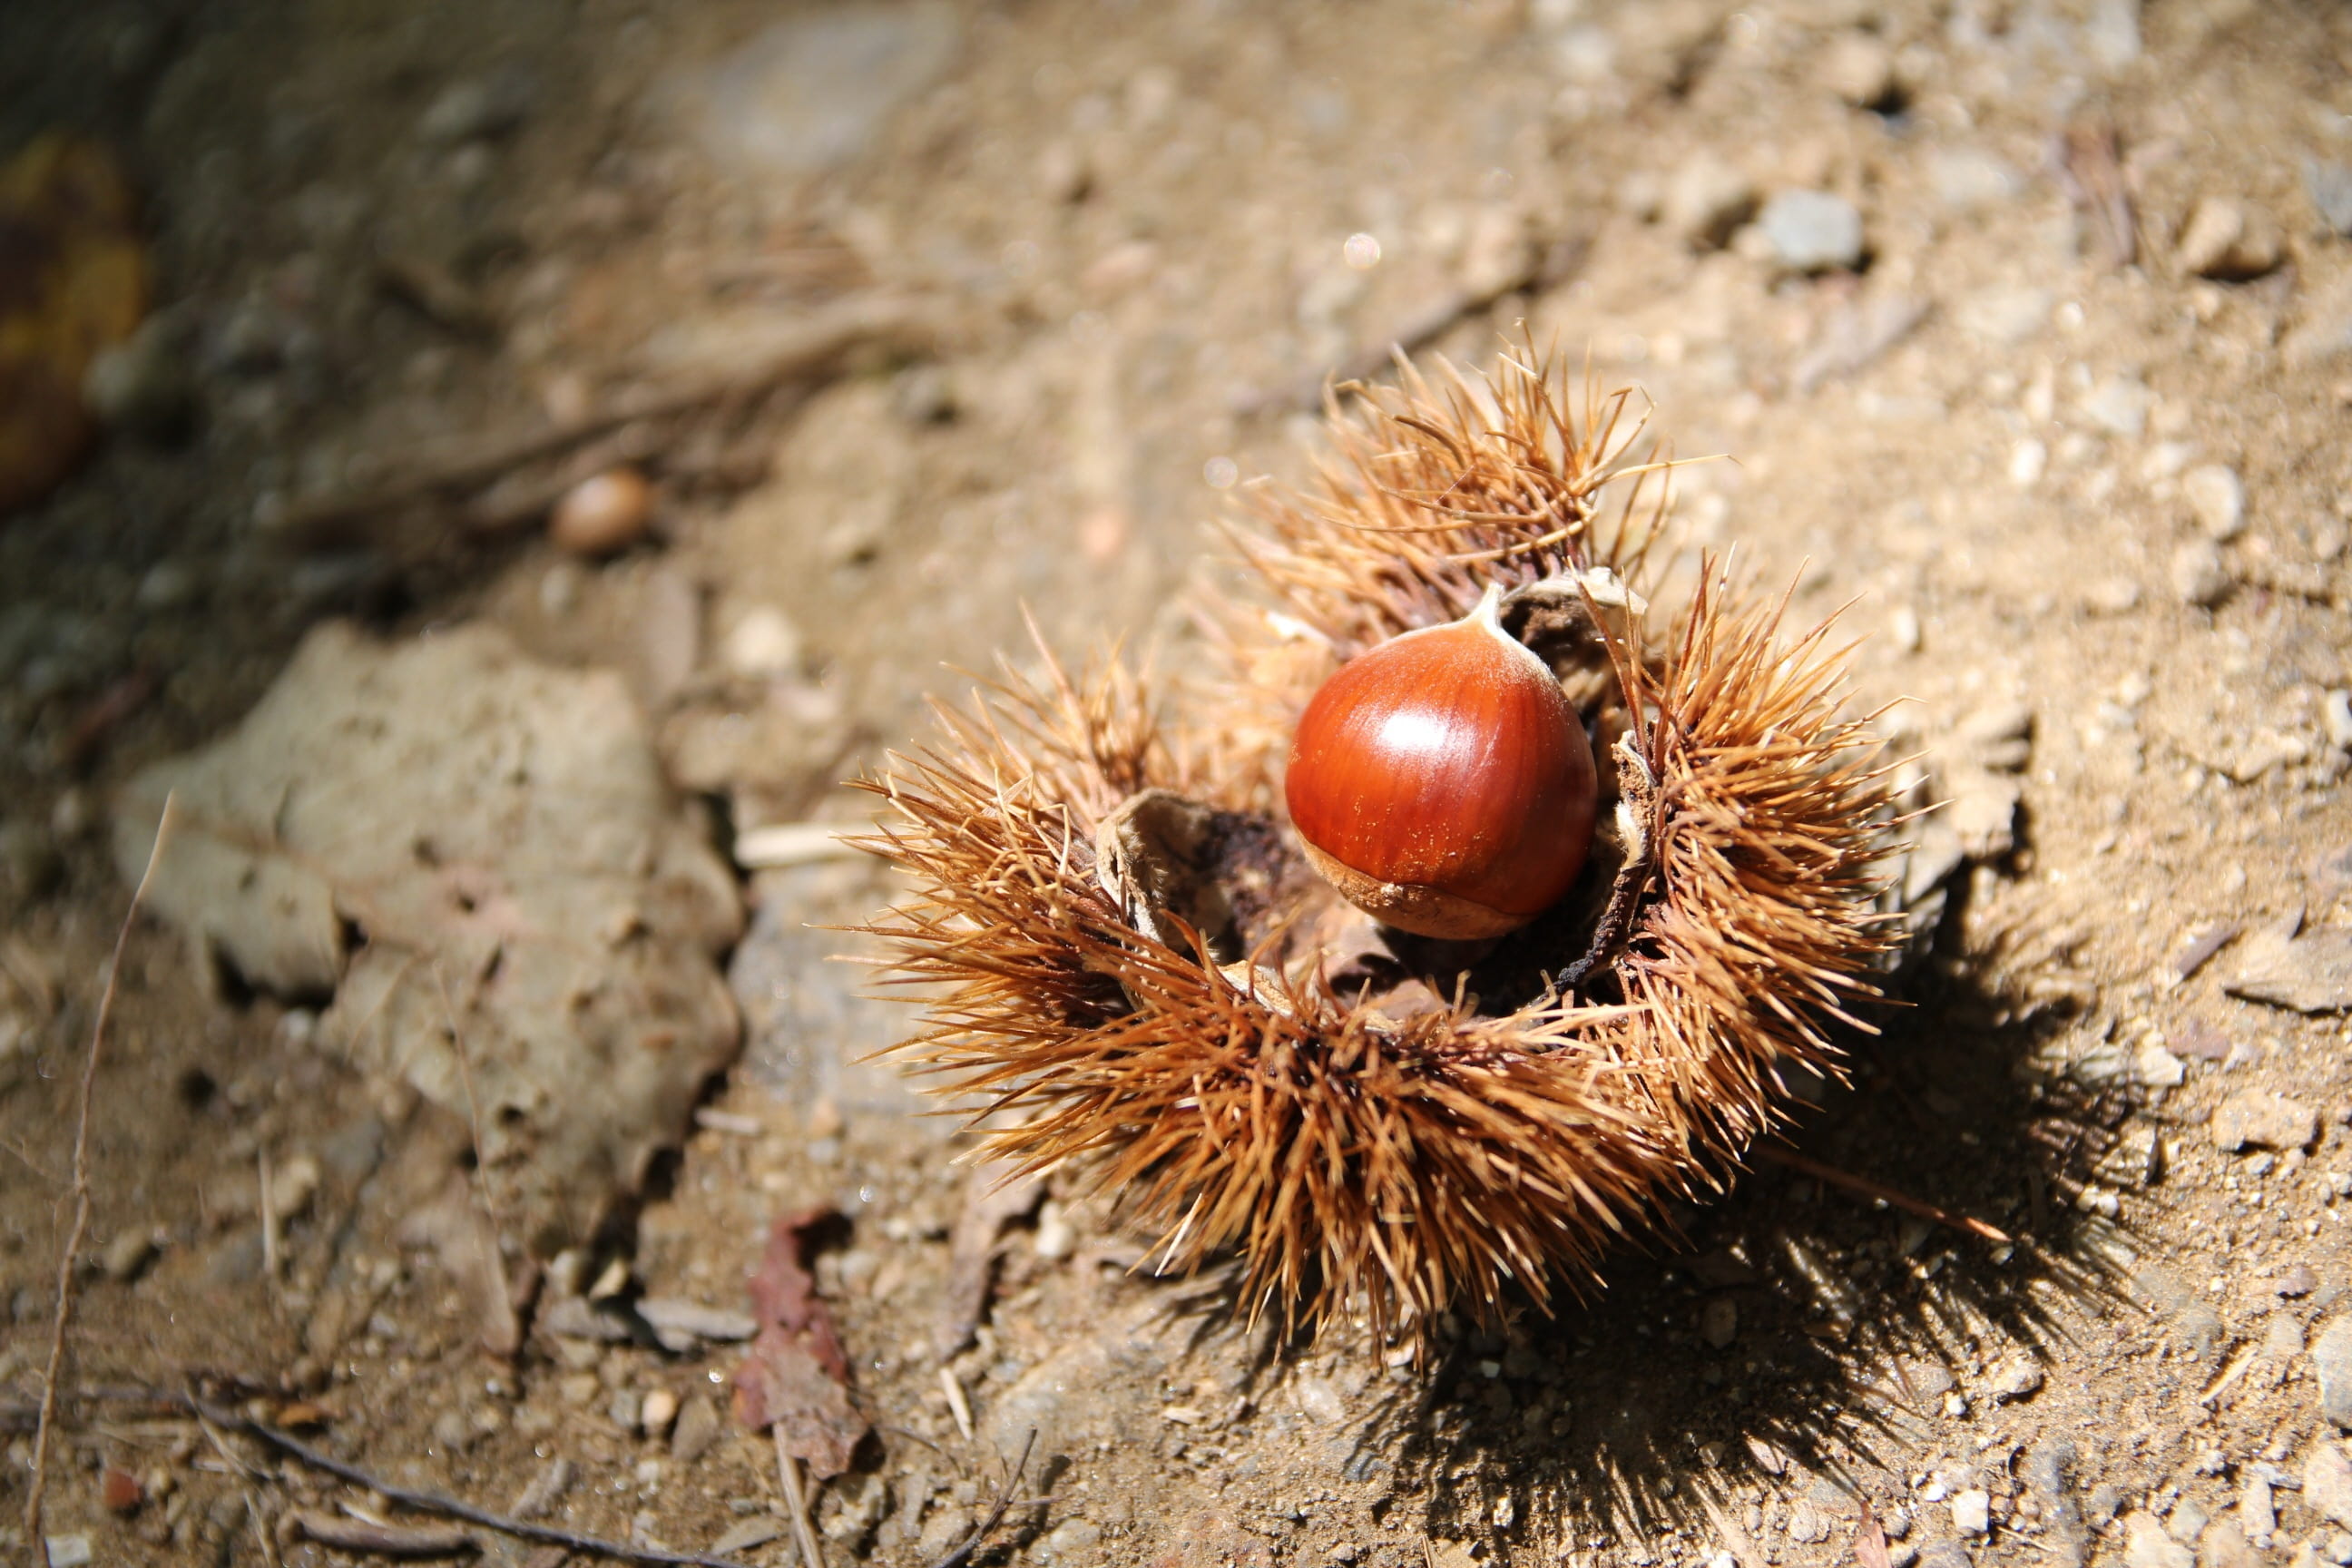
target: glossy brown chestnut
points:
(1442, 783)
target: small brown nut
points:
(603, 515)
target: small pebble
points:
(2224, 241)
(625, 1409)
(1057, 1237)
(1973, 1511)
(2329, 186)
(119, 1492)
(2199, 577)
(1705, 200)
(70, 1552)
(697, 1428)
(2336, 713)
(1858, 68)
(1718, 1321)
(2253, 1116)
(2217, 499)
(1813, 231)
(603, 515)
(2017, 1378)
(126, 1255)
(660, 1409)
(2327, 1480)
(2331, 1359)
(763, 644)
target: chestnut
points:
(1442, 781)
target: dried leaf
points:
(796, 1377)
(1870, 1542)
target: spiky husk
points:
(1353, 1160)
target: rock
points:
(2118, 405)
(681, 1325)
(476, 109)
(1807, 1524)
(2197, 576)
(625, 1409)
(1973, 1511)
(69, 1551)
(1813, 231)
(119, 1491)
(2296, 1282)
(603, 515)
(2331, 1361)
(1859, 68)
(2217, 499)
(2336, 714)
(809, 93)
(763, 644)
(1999, 737)
(1706, 199)
(2257, 1511)
(742, 1536)
(1982, 808)
(2264, 1120)
(699, 1426)
(127, 1256)
(659, 1409)
(1718, 1321)
(2324, 329)
(811, 1026)
(2282, 1339)
(2145, 1545)
(2156, 1067)
(141, 386)
(2019, 1377)
(2223, 1544)
(495, 819)
(2223, 240)
(2309, 973)
(1073, 1540)
(2327, 1480)
(2329, 186)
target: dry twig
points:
(1867, 1188)
(34, 1493)
(972, 1544)
(788, 1470)
(434, 1503)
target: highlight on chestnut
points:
(1442, 783)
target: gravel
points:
(1813, 231)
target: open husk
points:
(1131, 967)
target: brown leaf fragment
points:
(796, 1377)
(991, 1202)
(1870, 1542)
(382, 1540)
(2199, 949)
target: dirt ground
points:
(2061, 421)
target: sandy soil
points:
(2062, 426)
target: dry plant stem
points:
(788, 1470)
(268, 1219)
(972, 1544)
(33, 1494)
(1864, 1187)
(433, 1503)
